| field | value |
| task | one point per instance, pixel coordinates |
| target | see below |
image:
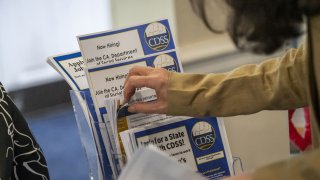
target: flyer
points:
(200, 143)
(126, 44)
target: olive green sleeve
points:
(274, 84)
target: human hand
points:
(154, 78)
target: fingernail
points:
(132, 109)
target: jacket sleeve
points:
(275, 84)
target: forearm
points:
(274, 84)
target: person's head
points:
(262, 26)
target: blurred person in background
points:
(287, 82)
(20, 154)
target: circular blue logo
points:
(203, 135)
(157, 36)
(165, 61)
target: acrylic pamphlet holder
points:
(86, 136)
(97, 157)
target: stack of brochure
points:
(99, 72)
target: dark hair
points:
(263, 26)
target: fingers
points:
(138, 70)
(155, 107)
(135, 82)
(154, 78)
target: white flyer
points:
(126, 44)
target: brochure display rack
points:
(111, 135)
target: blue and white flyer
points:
(71, 67)
(126, 44)
(200, 143)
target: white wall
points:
(134, 12)
(35, 29)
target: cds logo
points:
(157, 36)
(203, 135)
(165, 61)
